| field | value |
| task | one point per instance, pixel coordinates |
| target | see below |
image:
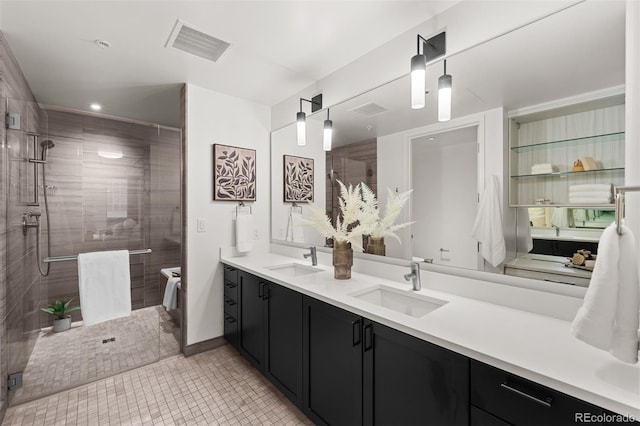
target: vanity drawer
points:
(479, 417)
(231, 290)
(546, 276)
(230, 274)
(521, 402)
(231, 330)
(230, 306)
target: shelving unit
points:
(560, 137)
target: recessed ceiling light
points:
(431, 138)
(96, 107)
(110, 154)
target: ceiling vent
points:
(190, 40)
(369, 109)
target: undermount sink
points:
(402, 301)
(294, 269)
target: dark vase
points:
(376, 246)
(342, 260)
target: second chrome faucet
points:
(414, 276)
(313, 255)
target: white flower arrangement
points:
(348, 228)
(360, 216)
(379, 227)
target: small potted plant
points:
(60, 311)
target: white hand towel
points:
(298, 227)
(610, 315)
(105, 285)
(244, 232)
(584, 200)
(487, 228)
(561, 218)
(170, 300)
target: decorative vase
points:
(342, 260)
(376, 246)
(62, 324)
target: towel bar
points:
(242, 205)
(75, 256)
(620, 191)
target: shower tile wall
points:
(19, 278)
(99, 203)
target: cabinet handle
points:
(230, 284)
(368, 337)
(267, 291)
(229, 301)
(546, 403)
(230, 319)
(229, 268)
(355, 332)
(261, 290)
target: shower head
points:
(47, 144)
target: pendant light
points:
(418, 78)
(444, 95)
(301, 118)
(327, 133)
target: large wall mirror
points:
(576, 54)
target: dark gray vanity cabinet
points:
(332, 364)
(283, 338)
(408, 381)
(505, 398)
(251, 340)
(361, 372)
(231, 305)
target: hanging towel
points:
(298, 227)
(561, 218)
(244, 232)
(524, 241)
(170, 300)
(610, 315)
(487, 228)
(105, 285)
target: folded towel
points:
(105, 285)
(487, 228)
(244, 232)
(590, 187)
(170, 300)
(590, 194)
(608, 318)
(581, 200)
(537, 169)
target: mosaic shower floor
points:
(80, 355)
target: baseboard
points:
(204, 346)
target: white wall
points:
(467, 24)
(445, 201)
(216, 118)
(632, 124)
(283, 142)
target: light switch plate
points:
(202, 225)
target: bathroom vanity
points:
(371, 351)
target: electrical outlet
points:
(256, 234)
(202, 225)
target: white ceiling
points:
(277, 48)
(570, 53)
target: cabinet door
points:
(332, 360)
(283, 352)
(408, 381)
(251, 330)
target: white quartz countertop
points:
(533, 346)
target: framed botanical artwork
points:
(234, 173)
(298, 179)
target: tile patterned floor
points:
(217, 387)
(77, 356)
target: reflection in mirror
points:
(513, 74)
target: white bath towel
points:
(541, 168)
(105, 285)
(585, 200)
(487, 228)
(610, 315)
(590, 194)
(244, 232)
(594, 187)
(561, 218)
(170, 300)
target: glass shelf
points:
(588, 139)
(571, 206)
(567, 173)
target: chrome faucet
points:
(557, 230)
(414, 276)
(314, 256)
